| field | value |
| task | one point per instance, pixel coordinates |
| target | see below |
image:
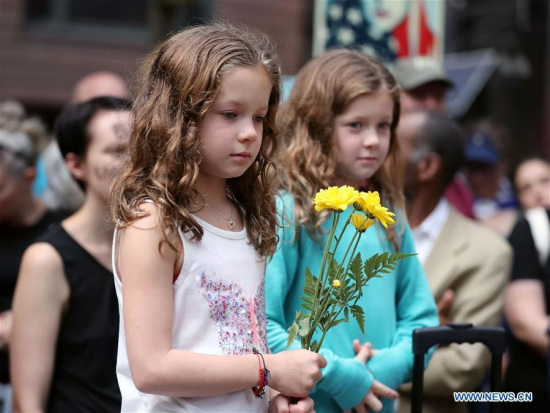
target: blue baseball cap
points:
(480, 147)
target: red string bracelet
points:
(259, 391)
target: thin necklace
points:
(230, 222)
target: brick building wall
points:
(39, 68)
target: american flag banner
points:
(387, 29)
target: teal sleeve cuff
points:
(391, 367)
(346, 380)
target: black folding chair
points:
(425, 338)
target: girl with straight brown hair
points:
(339, 129)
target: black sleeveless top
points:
(14, 240)
(528, 371)
(84, 377)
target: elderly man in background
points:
(425, 85)
(461, 258)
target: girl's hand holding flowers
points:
(295, 372)
(285, 404)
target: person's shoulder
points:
(42, 258)
(285, 200)
(146, 230)
(41, 278)
(148, 219)
(150, 209)
(285, 207)
(479, 237)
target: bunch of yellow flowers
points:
(332, 296)
(339, 198)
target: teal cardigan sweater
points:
(394, 306)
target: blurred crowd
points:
(480, 218)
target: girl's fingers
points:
(364, 353)
(373, 402)
(361, 408)
(280, 404)
(356, 347)
(303, 406)
(383, 391)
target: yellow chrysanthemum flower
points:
(336, 198)
(370, 202)
(336, 284)
(383, 215)
(367, 201)
(361, 221)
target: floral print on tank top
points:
(240, 319)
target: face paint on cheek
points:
(106, 173)
(121, 131)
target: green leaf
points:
(346, 312)
(381, 264)
(310, 282)
(303, 326)
(307, 299)
(292, 334)
(355, 267)
(341, 320)
(314, 346)
(359, 315)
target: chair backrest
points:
(425, 338)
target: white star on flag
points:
(354, 16)
(346, 36)
(335, 11)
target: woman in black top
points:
(22, 216)
(65, 332)
(527, 311)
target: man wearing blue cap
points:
(495, 202)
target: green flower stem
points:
(335, 219)
(327, 298)
(324, 303)
(322, 273)
(347, 251)
(355, 246)
(331, 318)
(320, 278)
(341, 235)
(335, 317)
(353, 252)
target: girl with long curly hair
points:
(339, 129)
(196, 218)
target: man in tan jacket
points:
(467, 265)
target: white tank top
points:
(219, 309)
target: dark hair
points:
(71, 125)
(528, 157)
(443, 136)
